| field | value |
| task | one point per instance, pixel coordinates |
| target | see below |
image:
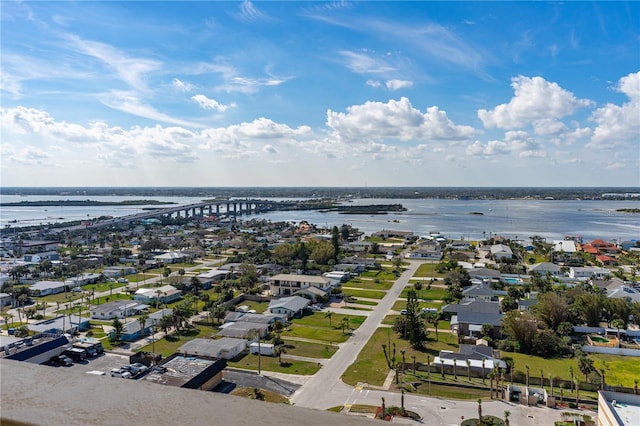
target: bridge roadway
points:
(214, 207)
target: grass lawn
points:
(367, 294)
(383, 274)
(319, 319)
(619, 370)
(368, 284)
(428, 270)
(308, 349)
(324, 334)
(371, 366)
(364, 302)
(259, 307)
(435, 293)
(268, 363)
(443, 326)
(402, 304)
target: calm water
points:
(453, 218)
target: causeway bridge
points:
(194, 210)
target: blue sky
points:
(320, 93)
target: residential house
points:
(428, 250)
(62, 324)
(45, 288)
(288, 284)
(211, 277)
(164, 294)
(484, 274)
(132, 330)
(585, 273)
(547, 269)
(225, 348)
(39, 257)
(118, 271)
(480, 357)
(471, 315)
(5, 299)
(389, 233)
(289, 306)
(171, 257)
(117, 309)
(624, 292)
(36, 246)
(500, 252)
(244, 330)
(480, 292)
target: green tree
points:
(552, 309)
(416, 330)
(335, 242)
(118, 328)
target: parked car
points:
(131, 368)
(140, 366)
(62, 360)
(123, 280)
(118, 372)
(403, 312)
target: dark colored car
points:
(62, 360)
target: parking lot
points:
(102, 363)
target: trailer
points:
(264, 348)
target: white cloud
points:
(515, 142)
(398, 84)
(619, 125)
(362, 63)
(374, 83)
(206, 103)
(375, 121)
(534, 99)
(130, 103)
(548, 126)
(249, 13)
(130, 69)
(181, 86)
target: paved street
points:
(328, 378)
(325, 389)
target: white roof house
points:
(567, 246)
(48, 287)
(288, 284)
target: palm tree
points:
(577, 383)
(541, 378)
(479, 410)
(329, 314)
(571, 375)
(483, 361)
(527, 367)
(143, 321)
(469, 369)
(455, 370)
(507, 413)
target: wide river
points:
(552, 219)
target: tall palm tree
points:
(469, 369)
(483, 362)
(479, 410)
(455, 370)
(329, 314)
(143, 322)
(527, 368)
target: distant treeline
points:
(474, 193)
(84, 203)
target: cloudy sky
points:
(320, 94)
